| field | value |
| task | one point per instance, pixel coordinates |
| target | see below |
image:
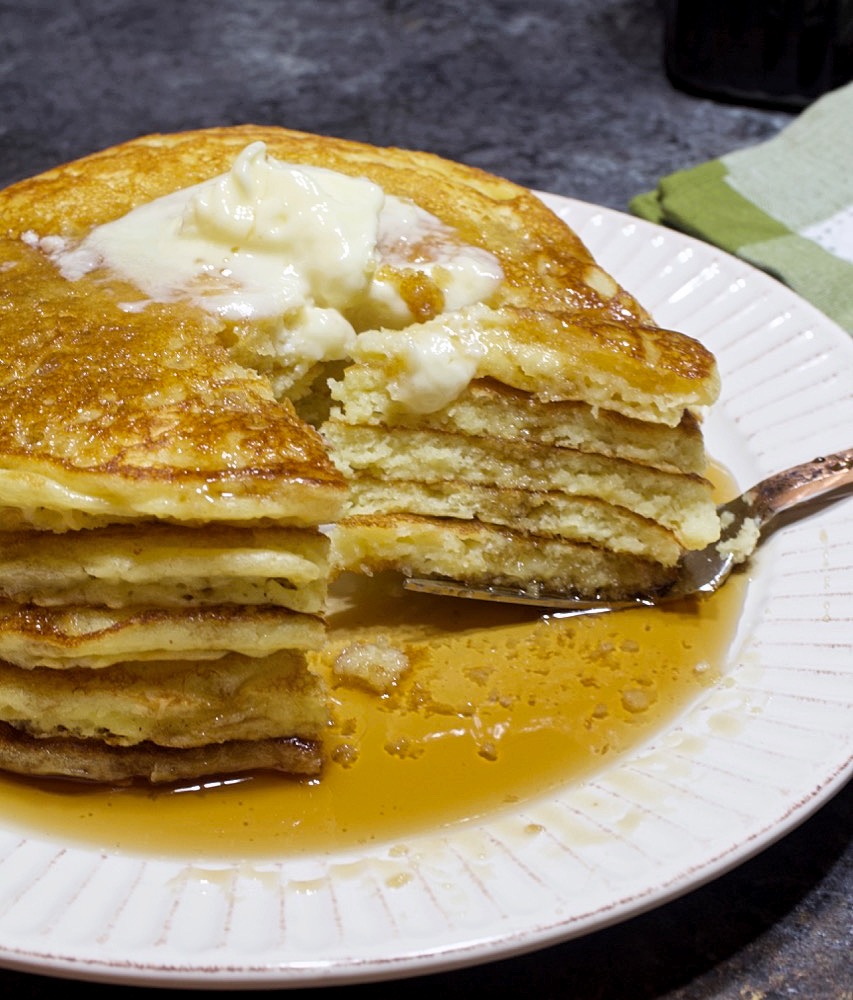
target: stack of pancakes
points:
(505, 486)
(171, 520)
(162, 572)
(572, 461)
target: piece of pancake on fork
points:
(241, 361)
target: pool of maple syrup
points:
(498, 704)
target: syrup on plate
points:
(498, 704)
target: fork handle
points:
(800, 483)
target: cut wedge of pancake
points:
(540, 490)
(198, 432)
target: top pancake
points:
(547, 267)
(144, 413)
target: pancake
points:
(487, 404)
(166, 565)
(93, 760)
(617, 357)
(90, 636)
(162, 703)
(528, 511)
(477, 551)
(160, 722)
(240, 362)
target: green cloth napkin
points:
(785, 205)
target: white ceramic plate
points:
(742, 766)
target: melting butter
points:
(305, 247)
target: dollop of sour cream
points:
(301, 246)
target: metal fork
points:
(701, 572)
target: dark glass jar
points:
(781, 53)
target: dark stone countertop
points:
(561, 95)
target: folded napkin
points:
(785, 205)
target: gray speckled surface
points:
(562, 96)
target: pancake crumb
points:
(375, 665)
(743, 544)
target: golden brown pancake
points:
(91, 760)
(567, 328)
(92, 636)
(161, 722)
(231, 698)
(492, 555)
(166, 565)
(487, 404)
